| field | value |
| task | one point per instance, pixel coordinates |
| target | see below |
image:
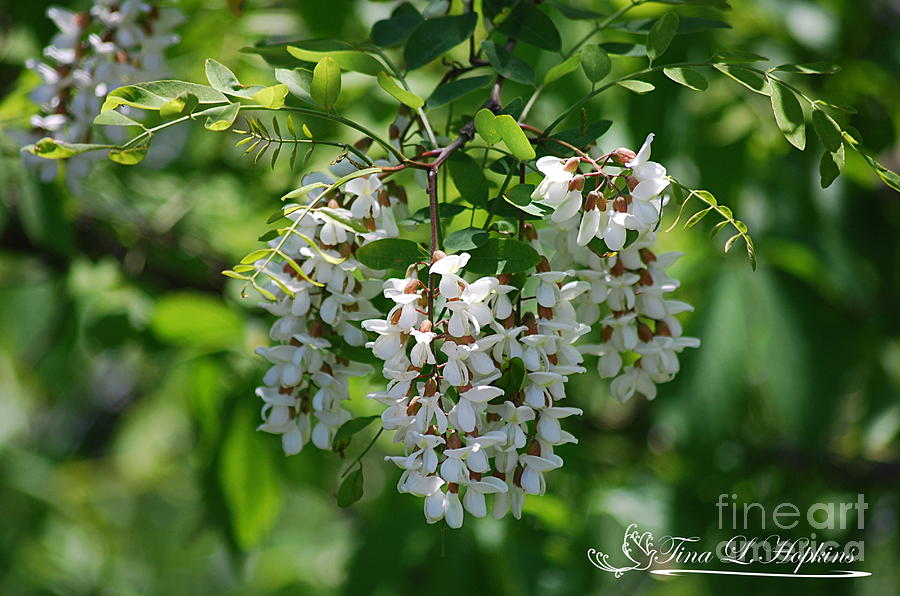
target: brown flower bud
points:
(530, 232)
(412, 286)
(545, 312)
(453, 440)
(632, 182)
(577, 183)
(534, 448)
(543, 265)
(82, 20)
(623, 155)
(606, 333)
(363, 144)
(517, 476)
(414, 406)
(529, 321)
(430, 387)
(316, 329)
(475, 476)
(344, 249)
(394, 132)
(384, 197)
(437, 256)
(663, 329)
(646, 278)
(572, 164)
(647, 255)
(285, 390)
(370, 224)
(453, 487)
(618, 269)
(504, 278)
(620, 205)
(644, 332)
(333, 204)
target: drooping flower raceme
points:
(473, 391)
(321, 295)
(640, 336)
(115, 43)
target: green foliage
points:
(326, 83)
(391, 254)
(433, 37)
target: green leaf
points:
(351, 489)
(582, 135)
(514, 137)
(520, 197)
(750, 79)
(686, 25)
(185, 103)
(617, 48)
(688, 77)
(298, 81)
(810, 68)
(431, 38)
(512, 380)
(502, 255)
(326, 83)
(448, 92)
(468, 178)
(639, 87)
(486, 127)
(130, 156)
(465, 239)
(395, 30)
(349, 224)
(272, 97)
(220, 118)
(661, 34)
(155, 94)
(248, 480)
(507, 65)
(576, 13)
(830, 166)
(222, 79)
(595, 63)
(788, 115)
(405, 97)
(195, 319)
(351, 427)
(49, 148)
(889, 177)
(565, 67)
(695, 218)
(528, 23)
(446, 211)
(114, 118)
(827, 129)
(391, 253)
(738, 56)
(347, 59)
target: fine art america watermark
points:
(769, 555)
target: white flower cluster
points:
(308, 379)
(640, 326)
(117, 42)
(473, 386)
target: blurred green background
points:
(129, 463)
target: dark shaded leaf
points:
(661, 34)
(390, 253)
(529, 24)
(465, 239)
(468, 177)
(448, 92)
(502, 255)
(433, 37)
(351, 489)
(595, 63)
(507, 65)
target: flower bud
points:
(333, 204)
(632, 182)
(623, 155)
(543, 265)
(412, 286)
(534, 448)
(370, 224)
(430, 387)
(644, 332)
(618, 269)
(646, 278)
(394, 132)
(620, 205)
(453, 440)
(437, 256)
(384, 197)
(426, 326)
(577, 183)
(606, 333)
(572, 164)
(590, 201)
(363, 144)
(647, 255)
(663, 329)
(530, 232)
(545, 312)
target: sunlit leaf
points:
(661, 34)
(687, 77)
(595, 63)
(407, 98)
(788, 115)
(391, 253)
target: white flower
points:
(633, 379)
(556, 180)
(476, 489)
(421, 353)
(464, 413)
(366, 202)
